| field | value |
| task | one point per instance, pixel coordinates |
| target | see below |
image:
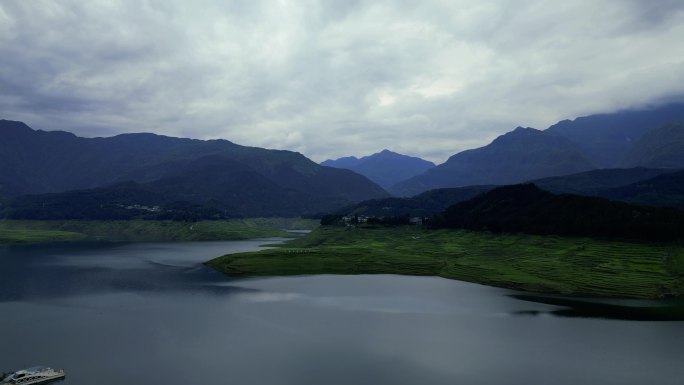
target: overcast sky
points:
(334, 78)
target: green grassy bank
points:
(549, 264)
(19, 231)
(37, 236)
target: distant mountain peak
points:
(520, 129)
(384, 168)
(13, 126)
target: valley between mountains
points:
(589, 185)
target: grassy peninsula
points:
(29, 231)
(549, 264)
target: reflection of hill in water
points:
(668, 310)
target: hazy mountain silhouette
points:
(652, 187)
(254, 180)
(520, 155)
(595, 181)
(384, 168)
(422, 205)
(605, 139)
(659, 147)
(646, 186)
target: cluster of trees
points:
(106, 204)
(177, 211)
(528, 209)
(338, 220)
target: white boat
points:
(34, 375)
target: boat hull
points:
(56, 375)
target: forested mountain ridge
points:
(517, 156)
(659, 147)
(36, 162)
(605, 139)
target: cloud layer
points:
(334, 78)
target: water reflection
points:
(665, 310)
(63, 270)
(112, 314)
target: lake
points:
(152, 313)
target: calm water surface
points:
(151, 313)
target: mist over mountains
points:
(639, 138)
(520, 155)
(606, 139)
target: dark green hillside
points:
(119, 202)
(199, 189)
(595, 181)
(423, 205)
(645, 186)
(663, 190)
(660, 147)
(245, 180)
(528, 209)
(606, 138)
(521, 155)
(653, 187)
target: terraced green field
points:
(574, 266)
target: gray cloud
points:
(333, 78)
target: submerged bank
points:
(545, 264)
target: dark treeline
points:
(123, 202)
(339, 220)
(528, 209)
(424, 205)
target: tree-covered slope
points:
(520, 155)
(255, 179)
(595, 181)
(660, 147)
(426, 204)
(528, 209)
(607, 138)
(662, 190)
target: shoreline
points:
(576, 267)
(14, 232)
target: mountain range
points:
(385, 168)
(243, 180)
(520, 155)
(644, 138)
(605, 139)
(644, 186)
(47, 172)
(661, 147)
